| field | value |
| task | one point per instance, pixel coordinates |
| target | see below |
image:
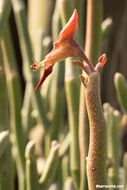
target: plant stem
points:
(92, 50)
(31, 170)
(26, 110)
(96, 161)
(5, 9)
(93, 29)
(4, 117)
(121, 90)
(112, 118)
(26, 50)
(65, 145)
(15, 101)
(71, 88)
(50, 166)
(72, 95)
(57, 97)
(4, 140)
(6, 163)
(38, 23)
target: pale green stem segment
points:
(72, 95)
(31, 170)
(26, 50)
(5, 9)
(69, 184)
(50, 167)
(6, 162)
(4, 116)
(121, 90)
(113, 119)
(15, 101)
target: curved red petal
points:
(47, 72)
(70, 28)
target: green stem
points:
(6, 163)
(31, 170)
(26, 110)
(15, 101)
(57, 97)
(71, 88)
(26, 50)
(4, 117)
(121, 90)
(65, 145)
(5, 9)
(4, 140)
(38, 23)
(93, 29)
(50, 167)
(72, 95)
(112, 118)
(69, 184)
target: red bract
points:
(101, 62)
(64, 47)
(70, 29)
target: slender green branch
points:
(50, 166)
(26, 110)
(65, 145)
(72, 95)
(15, 101)
(5, 9)
(121, 90)
(93, 29)
(4, 116)
(57, 97)
(6, 162)
(26, 50)
(4, 140)
(112, 118)
(31, 170)
(69, 184)
(71, 88)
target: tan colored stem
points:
(92, 50)
(96, 162)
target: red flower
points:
(64, 47)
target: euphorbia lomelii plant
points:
(64, 47)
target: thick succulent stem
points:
(96, 161)
(92, 50)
